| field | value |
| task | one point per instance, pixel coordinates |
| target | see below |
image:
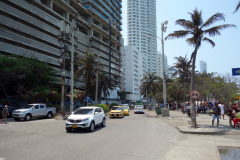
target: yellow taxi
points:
(116, 111)
(126, 110)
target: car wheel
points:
(27, 117)
(49, 115)
(103, 122)
(17, 119)
(68, 129)
(91, 127)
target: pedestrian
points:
(222, 109)
(216, 113)
(237, 118)
(5, 113)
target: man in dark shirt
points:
(5, 113)
(216, 113)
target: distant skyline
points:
(221, 58)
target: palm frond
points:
(186, 24)
(237, 7)
(209, 41)
(214, 31)
(191, 41)
(196, 17)
(178, 34)
(214, 18)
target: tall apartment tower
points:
(159, 71)
(30, 27)
(203, 67)
(142, 31)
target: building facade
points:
(142, 31)
(159, 65)
(203, 67)
(171, 71)
(132, 62)
(30, 28)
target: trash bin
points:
(158, 110)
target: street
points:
(133, 137)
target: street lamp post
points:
(96, 91)
(110, 50)
(164, 28)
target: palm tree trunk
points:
(184, 90)
(193, 108)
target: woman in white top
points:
(222, 109)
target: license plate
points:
(138, 109)
(14, 116)
(74, 126)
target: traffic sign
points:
(236, 71)
(195, 94)
(87, 97)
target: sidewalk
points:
(204, 122)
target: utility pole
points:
(73, 28)
(96, 91)
(163, 28)
(110, 50)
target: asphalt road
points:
(133, 137)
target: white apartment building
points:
(203, 67)
(159, 65)
(131, 64)
(142, 30)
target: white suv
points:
(138, 109)
(86, 117)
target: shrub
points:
(104, 107)
(113, 104)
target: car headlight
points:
(85, 119)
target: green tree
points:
(88, 68)
(196, 28)
(104, 84)
(149, 85)
(183, 70)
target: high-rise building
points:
(30, 27)
(142, 31)
(160, 66)
(131, 62)
(171, 71)
(203, 67)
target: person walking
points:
(237, 118)
(5, 113)
(222, 109)
(216, 113)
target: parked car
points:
(10, 110)
(124, 105)
(86, 118)
(126, 110)
(138, 109)
(33, 110)
(116, 111)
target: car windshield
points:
(116, 108)
(125, 107)
(139, 106)
(28, 106)
(84, 111)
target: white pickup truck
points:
(33, 110)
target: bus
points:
(139, 102)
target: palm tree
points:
(237, 7)
(88, 67)
(174, 90)
(183, 69)
(196, 28)
(149, 84)
(105, 85)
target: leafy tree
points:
(183, 69)
(196, 28)
(150, 83)
(104, 84)
(113, 104)
(88, 67)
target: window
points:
(36, 107)
(42, 106)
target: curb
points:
(196, 132)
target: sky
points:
(221, 58)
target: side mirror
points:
(72, 112)
(33, 108)
(96, 112)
